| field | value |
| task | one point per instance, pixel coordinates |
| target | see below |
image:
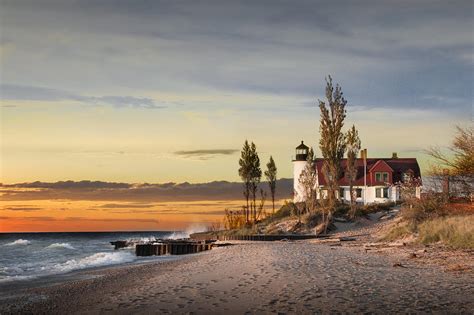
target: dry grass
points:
(399, 231)
(454, 231)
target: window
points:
(341, 193)
(406, 176)
(359, 192)
(381, 192)
(381, 177)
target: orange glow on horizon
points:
(91, 216)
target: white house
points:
(375, 181)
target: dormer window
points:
(407, 176)
(381, 177)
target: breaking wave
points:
(95, 260)
(19, 242)
(60, 245)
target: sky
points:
(168, 91)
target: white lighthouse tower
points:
(298, 165)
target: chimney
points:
(363, 154)
(394, 155)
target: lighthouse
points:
(298, 165)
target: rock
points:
(412, 255)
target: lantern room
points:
(301, 152)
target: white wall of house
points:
(370, 193)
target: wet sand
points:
(259, 277)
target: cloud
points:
(205, 154)
(35, 93)
(84, 184)
(80, 219)
(386, 53)
(119, 206)
(121, 192)
(23, 208)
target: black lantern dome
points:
(301, 152)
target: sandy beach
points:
(259, 277)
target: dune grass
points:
(454, 231)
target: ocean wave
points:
(141, 239)
(19, 242)
(60, 245)
(15, 278)
(95, 260)
(195, 228)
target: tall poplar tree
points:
(332, 140)
(271, 176)
(245, 173)
(255, 177)
(353, 146)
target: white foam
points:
(141, 239)
(15, 278)
(60, 245)
(195, 228)
(95, 260)
(19, 242)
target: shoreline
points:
(76, 275)
(255, 277)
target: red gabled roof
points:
(399, 166)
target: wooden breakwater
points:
(251, 237)
(172, 248)
(166, 247)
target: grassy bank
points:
(454, 231)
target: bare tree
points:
(353, 146)
(271, 176)
(332, 140)
(459, 162)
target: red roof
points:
(398, 165)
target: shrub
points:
(234, 219)
(341, 209)
(286, 210)
(374, 207)
(455, 231)
(418, 210)
(311, 219)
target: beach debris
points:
(347, 239)
(398, 264)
